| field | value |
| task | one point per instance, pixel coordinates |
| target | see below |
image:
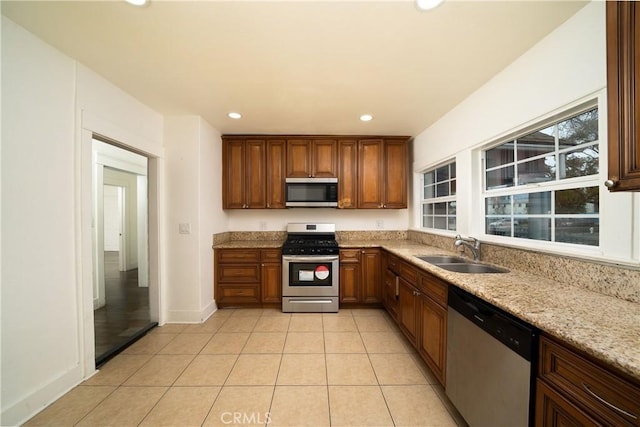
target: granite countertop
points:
(249, 244)
(603, 326)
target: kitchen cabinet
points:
(253, 173)
(312, 158)
(432, 320)
(347, 174)
(408, 302)
(247, 277)
(623, 91)
(382, 173)
(573, 389)
(390, 284)
(360, 276)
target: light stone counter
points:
(249, 244)
(603, 326)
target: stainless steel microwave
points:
(311, 192)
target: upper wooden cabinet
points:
(623, 87)
(312, 158)
(382, 173)
(347, 174)
(253, 173)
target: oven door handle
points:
(305, 258)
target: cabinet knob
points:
(384, 206)
(610, 183)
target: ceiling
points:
(303, 67)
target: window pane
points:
(452, 223)
(453, 187)
(429, 178)
(443, 189)
(429, 192)
(498, 205)
(451, 208)
(533, 203)
(498, 226)
(578, 201)
(578, 130)
(442, 174)
(427, 209)
(539, 170)
(440, 222)
(533, 228)
(440, 208)
(500, 178)
(581, 162)
(583, 231)
(537, 143)
(427, 221)
(453, 169)
(500, 155)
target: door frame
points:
(93, 126)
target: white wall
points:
(129, 182)
(562, 70)
(47, 308)
(193, 168)
(112, 206)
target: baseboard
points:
(27, 407)
(191, 316)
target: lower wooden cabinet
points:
(574, 390)
(432, 336)
(247, 277)
(408, 310)
(360, 282)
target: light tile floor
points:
(262, 367)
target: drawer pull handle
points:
(614, 407)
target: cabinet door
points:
(623, 88)
(299, 158)
(271, 283)
(408, 310)
(324, 159)
(395, 173)
(390, 297)
(347, 174)
(233, 194)
(276, 172)
(370, 173)
(350, 283)
(371, 283)
(553, 410)
(432, 342)
(255, 162)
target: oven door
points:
(313, 276)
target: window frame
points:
(438, 199)
(554, 185)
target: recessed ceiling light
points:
(137, 2)
(428, 4)
(234, 115)
(366, 117)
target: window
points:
(439, 197)
(543, 185)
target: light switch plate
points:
(184, 228)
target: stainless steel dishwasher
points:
(490, 357)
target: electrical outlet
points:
(184, 228)
(263, 225)
(380, 224)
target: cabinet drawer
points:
(609, 397)
(238, 255)
(239, 294)
(435, 288)
(271, 255)
(238, 273)
(393, 263)
(408, 273)
(349, 255)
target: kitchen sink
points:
(472, 268)
(460, 265)
(441, 259)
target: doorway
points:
(121, 286)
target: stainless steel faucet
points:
(470, 242)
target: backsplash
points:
(617, 281)
(371, 235)
(248, 236)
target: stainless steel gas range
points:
(310, 266)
